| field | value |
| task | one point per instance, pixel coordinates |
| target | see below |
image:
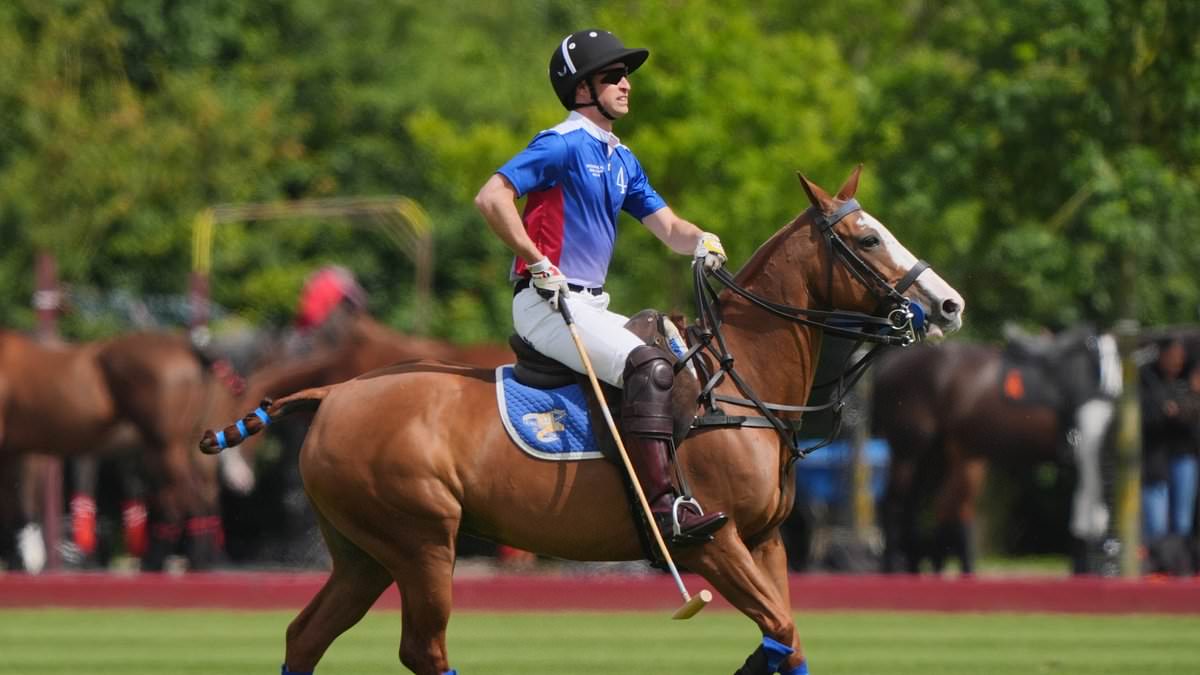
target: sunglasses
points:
(613, 75)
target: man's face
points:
(612, 88)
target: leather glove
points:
(710, 250)
(548, 281)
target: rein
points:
(900, 323)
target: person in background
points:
(330, 296)
(1170, 422)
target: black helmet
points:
(584, 52)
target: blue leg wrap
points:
(776, 652)
(283, 670)
(450, 672)
(801, 669)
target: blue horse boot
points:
(765, 660)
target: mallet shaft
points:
(692, 604)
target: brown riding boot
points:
(647, 424)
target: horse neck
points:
(777, 357)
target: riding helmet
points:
(584, 52)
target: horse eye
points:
(869, 241)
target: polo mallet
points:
(692, 604)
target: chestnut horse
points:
(146, 390)
(949, 410)
(398, 461)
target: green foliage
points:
(1041, 154)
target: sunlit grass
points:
(62, 642)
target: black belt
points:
(575, 288)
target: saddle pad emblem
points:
(549, 424)
(545, 425)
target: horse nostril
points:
(951, 308)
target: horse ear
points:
(816, 195)
(851, 184)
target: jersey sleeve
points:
(538, 166)
(641, 199)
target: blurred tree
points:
(1030, 146)
(1023, 148)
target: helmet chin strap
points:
(595, 102)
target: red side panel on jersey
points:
(544, 222)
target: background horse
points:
(273, 522)
(948, 410)
(143, 390)
(399, 461)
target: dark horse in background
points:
(400, 460)
(949, 410)
(272, 522)
(144, 391)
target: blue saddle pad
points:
(546, 423)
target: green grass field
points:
(45, 642)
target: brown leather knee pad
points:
(646, 402)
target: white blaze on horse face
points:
(942, 303)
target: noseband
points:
(898, 322)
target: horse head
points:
(865, 268)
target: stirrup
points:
(702, 534)
(676, 529)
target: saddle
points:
(534, 369)
(1027, 377)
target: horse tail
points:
(260, 418)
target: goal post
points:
(401, 220)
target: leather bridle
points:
(898, 322)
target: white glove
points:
(548, 281)
(710, 250)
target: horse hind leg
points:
(355, 583)
(423, 567)
(418, 551)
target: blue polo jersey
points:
(578, 178)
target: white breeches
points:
(603, 333)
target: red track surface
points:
(540, 593)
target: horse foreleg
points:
(203, 538)
(757, 586)
(771, 558)
(85, 471)
(901, 540)
(170, 469)
(355, 583)
(956, 514)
